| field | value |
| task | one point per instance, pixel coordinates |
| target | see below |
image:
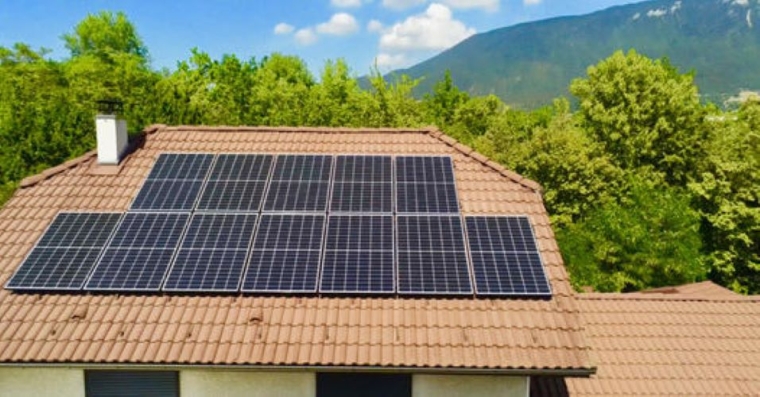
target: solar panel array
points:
(257, 223)
(66, 253)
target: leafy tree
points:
(445, 100)
(337, 99)
(280, 91)
(648, 239)
(728, 197)
(391, 104)
(575, 172)
(105, 34)
(644, 113)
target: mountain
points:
(528, 65)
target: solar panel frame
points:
(194, 166)
(264, 253)
(197, 245)
(424, 181)
(61, 252)
(386, 251)
(114, 273)
(534, 280)
(463, 274)
(242, 167)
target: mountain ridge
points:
(529, 64)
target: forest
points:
(647, 185)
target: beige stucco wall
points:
(197, 383)
(469, 385)
(41, 382)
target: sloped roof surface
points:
(298, 331)
(695, 340)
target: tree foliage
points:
(645, 114)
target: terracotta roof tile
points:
(303, 331)
(698, 339)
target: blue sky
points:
(393, 33)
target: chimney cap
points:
(110, 106)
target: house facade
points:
(91, 344)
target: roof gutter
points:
(564, 372)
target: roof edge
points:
(564, 372)
(473, 154)
(285, 129)
(50, 172)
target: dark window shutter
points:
(335, 384)
(131, 383)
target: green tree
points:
(645, 114)
(280, 91)
(442, 105)
(648, 239)
(336, 99)
(728, 197)
(105, 34)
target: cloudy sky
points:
(391, 33)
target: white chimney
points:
(112, 137)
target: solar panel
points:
(236, 183)
(431, 255)
(302, 168)
(66, 252)
(425, 185)
(362, 184)
(187, 166)
(139, 253)
(299, 183)
(212, 254)
(167, 195)
(363, 169)
(285, 255)
(241, 167)
(174, 183)
(505, 257)
(358, 254)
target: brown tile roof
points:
(694, 340)
(497, 335)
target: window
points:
(362, 384)
(131, 383)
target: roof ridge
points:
(242, 128)
(50, 172)
(479, 157)
(616, 296)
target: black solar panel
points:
(236, 183)
(362, 197)
(302, 168)
(431, 256)
(212, 254)
(359, 255)
(286, 196)
(66, 253)
(238, 196)
(241, 167)
(363, 169)
(424, 169)
(140, 252)
(285, 255)
(425, 185)
(181, 166)
(174, 183)
(299, 183)
(167, 195)
(505, 258)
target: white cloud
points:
(283, 28)
(487, 5)
(346, 3)
(435, 29)
(305, 36)
(743, 3)
(340, 24)
(676, 6)
(402, 4)
(375, 26)
(657, 13)
(531, 2)
(390, 61)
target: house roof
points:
(499, 335)
(698, 339)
